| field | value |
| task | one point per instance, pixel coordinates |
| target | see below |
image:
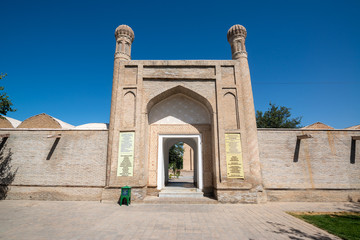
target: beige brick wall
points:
(79, 159)
(323, 163)
(76, 170)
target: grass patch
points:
(342, 224)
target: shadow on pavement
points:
(350, 207)
(294, 233)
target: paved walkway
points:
(93, 220)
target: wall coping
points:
(304, 130)
(259, 129)
(50, 129)
(179, 63)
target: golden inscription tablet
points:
(234, 162)
(126, 155)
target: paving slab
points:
(94, 220)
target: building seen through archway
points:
(187, 168)
(182, 172)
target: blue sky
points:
(302, 54)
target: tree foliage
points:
(176, 154)
(276, 117)
(5, 102)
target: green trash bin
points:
(125, 195)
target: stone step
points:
(179, 192)
(179, 200)
(177, 189)
(181, 195)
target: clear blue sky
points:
(302, 54)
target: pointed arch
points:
(176, 90)
(130, 92)
(129, 107)
(231, 117)
(179, 109)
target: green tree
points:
(176, 154)
(276, 117)
(5, 102)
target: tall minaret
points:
(236, 37)
(124, 37)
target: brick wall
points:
(79, 159)
(323, 163)
(76, 170)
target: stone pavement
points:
(93, 220)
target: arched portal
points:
(180, 117)
(209, 99)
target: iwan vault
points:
(206, 104)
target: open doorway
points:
(194, 177)
(181, 166)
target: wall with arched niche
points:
(179, 109)
(180, 114)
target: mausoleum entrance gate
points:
(160, 101)
(180, 118)
(165, 142)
